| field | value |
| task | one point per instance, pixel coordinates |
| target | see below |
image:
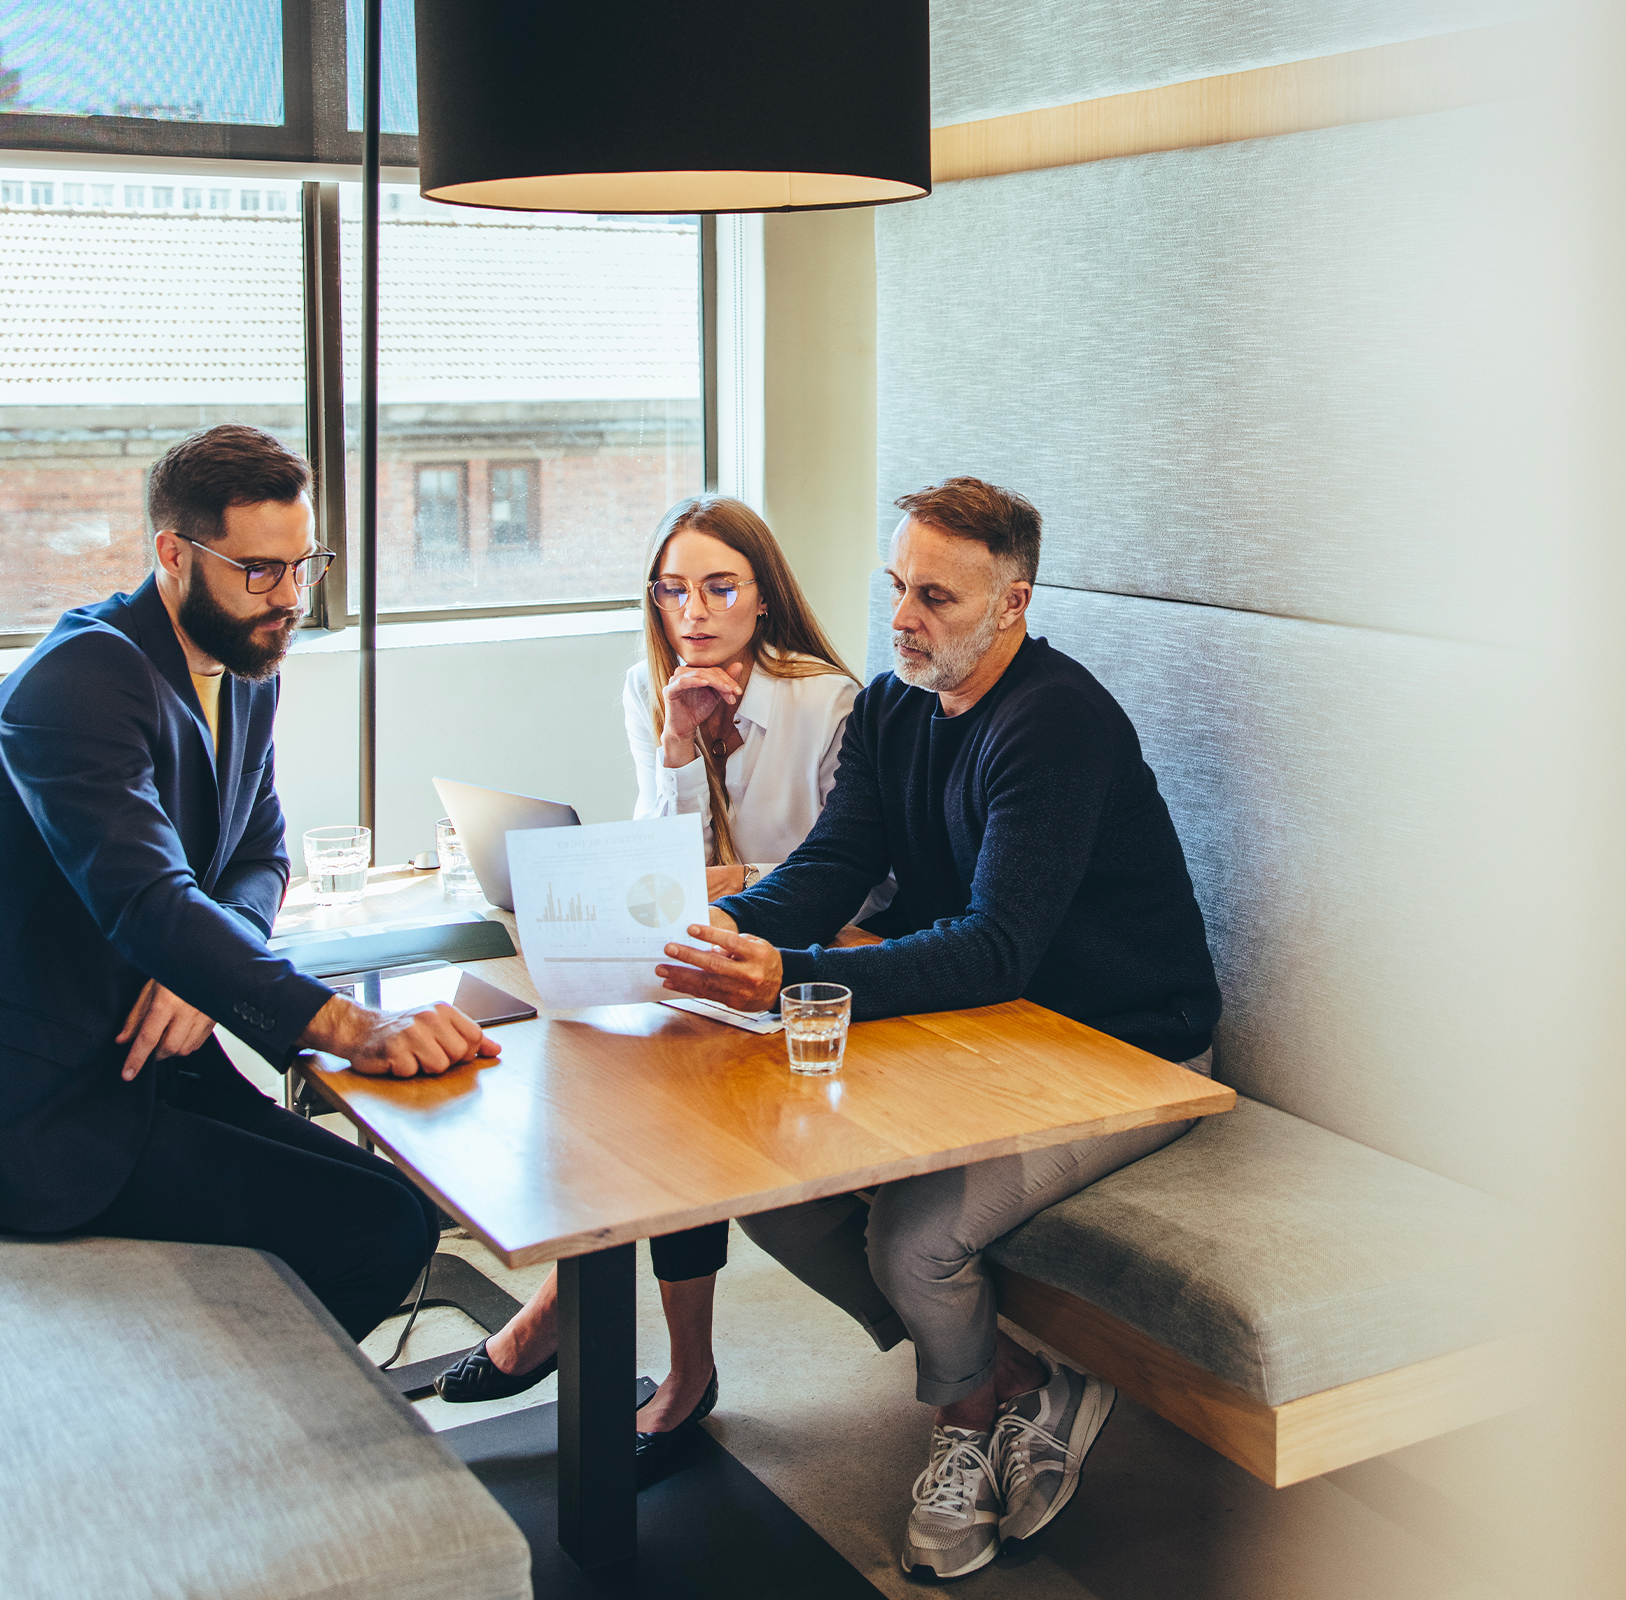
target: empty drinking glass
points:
(336, 861)
(816, 1017)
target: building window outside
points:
(276, 200)
(73, 194)
(513, 505)
(101, 194)
(249, 200)
(13, 194)
(554, 360)
(220, 199)
(539, 387)
(439, 521)
(203, 321)
(135, 197)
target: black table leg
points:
(598, 1489)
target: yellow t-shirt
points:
(209, 698)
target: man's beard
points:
(952, 661)
(230, 640)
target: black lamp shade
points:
(675, 107)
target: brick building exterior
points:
(539, 383)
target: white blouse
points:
(777, 780)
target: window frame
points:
(532, 472)
(315, 101)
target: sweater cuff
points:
(800, 966)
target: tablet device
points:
(398, 988)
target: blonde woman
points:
(736, 712)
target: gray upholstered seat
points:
(186, 1420)
(1279, 1256)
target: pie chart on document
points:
(655, 900)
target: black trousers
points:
(694, 1253)
(226, 1165)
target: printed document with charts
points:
(596, 906)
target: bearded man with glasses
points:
(142, 842)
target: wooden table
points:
(601, 1127)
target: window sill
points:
(417, 635)
(472, 630)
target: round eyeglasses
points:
(261, 577)
(672, 594)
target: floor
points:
(830, 1426)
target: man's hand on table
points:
(161, 1025)
(428, 1040)
(738, 969)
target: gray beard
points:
(952, 662)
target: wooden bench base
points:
(1279, 1444)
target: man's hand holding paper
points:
(738, 968)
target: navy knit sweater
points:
(1033, 854)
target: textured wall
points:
(1257, 391)
(994, 57)
(1252, 375)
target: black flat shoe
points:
(658, 1453)
(476, 1376)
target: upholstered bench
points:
(1294, 1299)
(186, 1420)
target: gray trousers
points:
(908, 1265)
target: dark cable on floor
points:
(400, 1344)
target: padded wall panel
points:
(1334, 789)
(993, 57)
(1255, 375)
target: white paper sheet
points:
(596, 906)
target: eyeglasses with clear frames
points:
(672, 594)
(261, 577)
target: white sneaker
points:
(1040, 1441)
(954, 1528)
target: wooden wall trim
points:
(1393, 80)
(1279, 1444)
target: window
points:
(276, 200)
(249, 200)
(438, 522)
(101, 194)
(162, 198)
(220, 199)
(203, 320)
(135, 197)
(41, 193)
(73, 194)
(12, 194)
(556, 361)
(512, 518)
(205, 61)
(192, 199)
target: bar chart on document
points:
(596, 905)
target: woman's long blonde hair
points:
(788, 642)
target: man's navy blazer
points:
(128, 850)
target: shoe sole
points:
(1079, 1444)
(959, 1572)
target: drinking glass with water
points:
(816, 1017)
(457, 879)
(336, 861)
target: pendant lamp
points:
(673, 106)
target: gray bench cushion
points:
(186, 1420)
(1279, 1256)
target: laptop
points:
(483, 818)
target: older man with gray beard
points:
(1005, 791)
